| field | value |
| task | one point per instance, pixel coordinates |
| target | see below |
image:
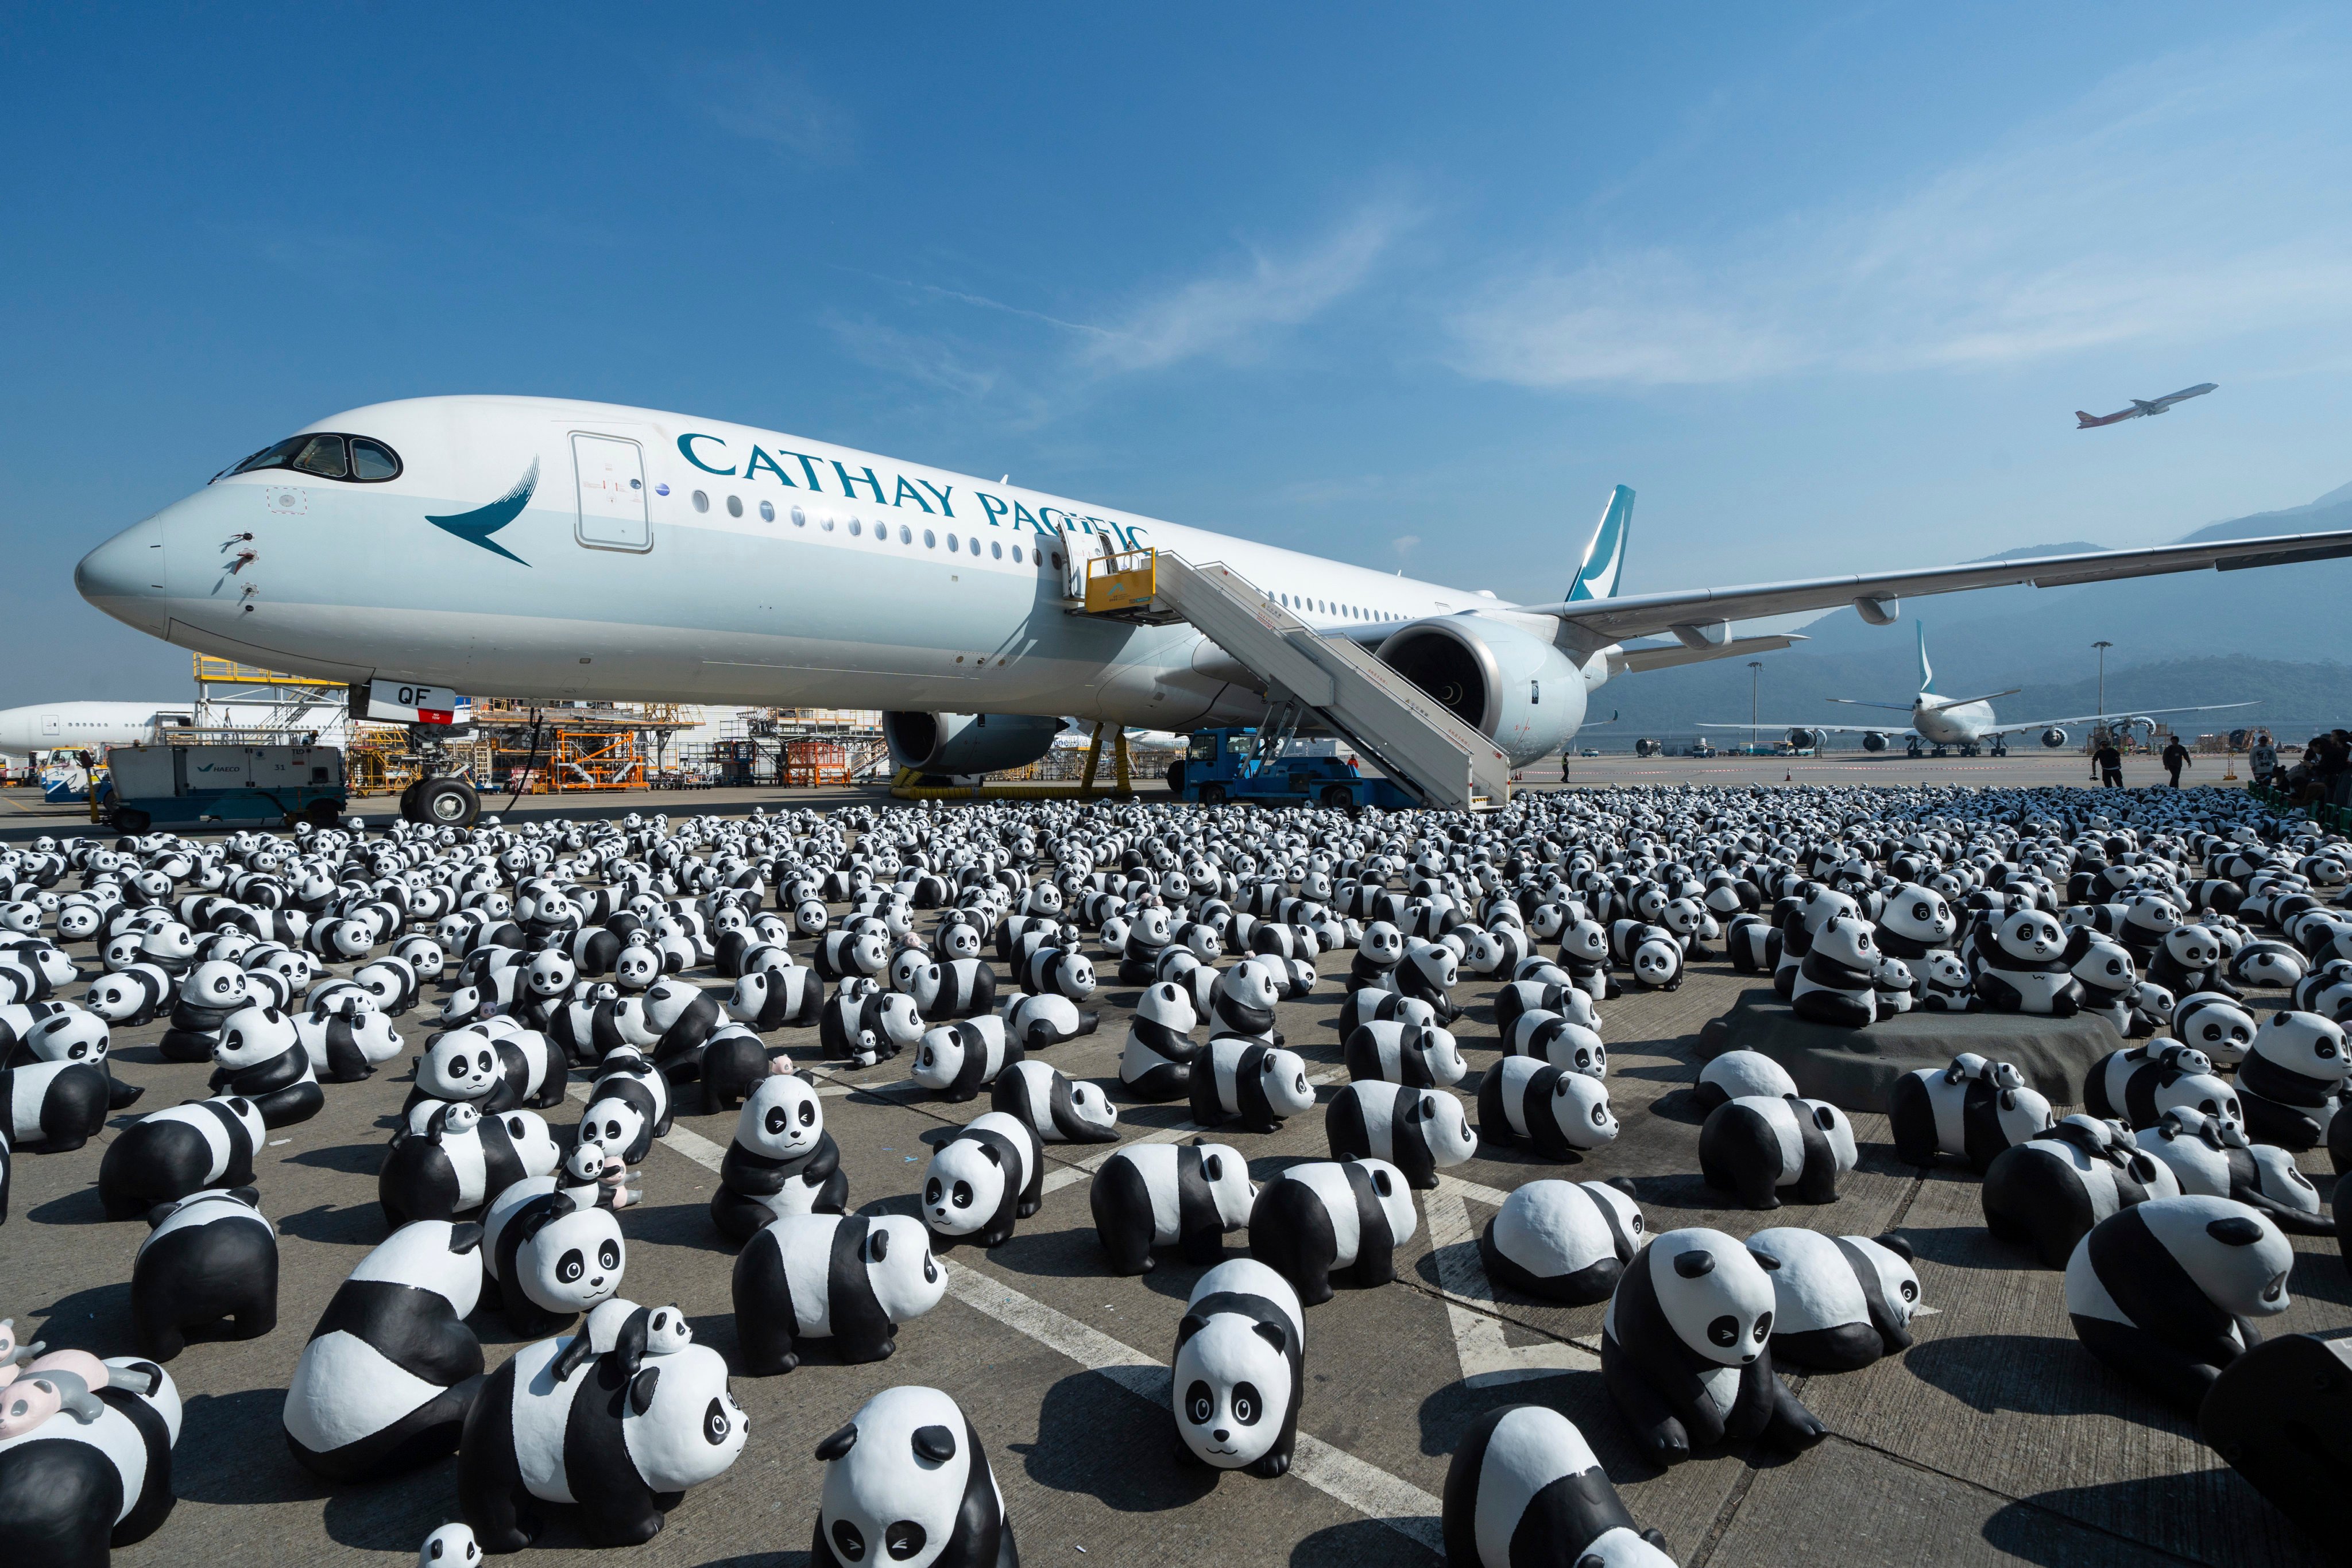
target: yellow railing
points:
(1123, 582)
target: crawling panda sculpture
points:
(907, 1481)
(2211, 1157)
(169, 1154)
(2166, 1292)
(1741, 1072)
(982, 1180)
(1840, 1302)
(1973, 1109)
(1381, 1051)
(781, 1162)
(209, 1258)
(1186, 1196)
(1046, 1018)
(1236, 1076)
(1754, 1146)
(959, 1060)
(1240, 1369)
(461, 1162)
(1558, 1113)
(1564, 1241)
(71, 1490)
(1524, 1489)
(2125, 1085)
(1686, 1350)
(1055, 1108)
(1419, 1131)
(2047, 1193)
(850, 1280)
(1324, 1217)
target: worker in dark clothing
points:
(2176, 757)
(2108, 764)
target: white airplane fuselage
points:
(85, 726)
(1964, 725)
(587, 549)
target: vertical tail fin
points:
(1927, 671)
(1604, 557)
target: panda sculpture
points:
(2166, 1292)
(1057, 1109)
(72, 1491)
(1973, 1109)
(169, 1154)
(2124, 1085)
(499, 1066)
(2292, 1080)
(63, 1032)
(1840, 1302)
(1524, 1488)
(1753, 1146)
(259, 1057)
(1324, 1217)
(210, 1256)
(1239, 1371)
(1686, 1350)
(1559, 1040)
(850, 1280)
(868, 1025)
(1429, 971)
(907, 1481)
(1389, 1053)
(387, 1376)
(2190, 958)
(781, 1161)
(1186, 1196)
(1651, 954)
(2215, 1025)
(551, 1253)
(629, 1106)
(1358, 1008)
(1158, 1062)
(1944, 984)
(2211, 1158)
(1562, 1241)
(461, 1162)
(1419, 1131)
(777, 998)
(1044, 1019)
(1058, 972)
(1836, 981)
(346, 1045)
(2046, 1194)
(2018, 964)
(1236, 1076)
(206, 997)
(957, 1060)
(621, 1437)
(988, 1175)
(1244, 1000)
(53, 1107)
(1741, 1072)
(2267, 965)
(1378, 952)
(1558, 1113)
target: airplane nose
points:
(123, 576)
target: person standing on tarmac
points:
(2176, 757)
(2262, 758)
(2107, 765)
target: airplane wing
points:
(2184, 394)
(1690, 616)
(1940, 703)
(2006, 725)
(1765, 727)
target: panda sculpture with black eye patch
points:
(260, 1058)
(2166, 1292)
(1187, 1195)
(2293, 1080)
(1686, 1350)
(2018, 964)
(1525, 1490)
(1323, 1218)
(551, 1253)
(1239, 1076)
(1754, 1146)
(1239, 1370)
(781, 1162)
(2047, 1193)
(1836, 981)
(907, 1482)
(985, 1178)
(1055, 1108)
(848, 1280)
(1419, 1131)
(1558, 1113)
(1840, 1302)
(1974, 1109)
(2211, 1157)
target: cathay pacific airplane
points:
(1963, 722)
(533, 546)
(87, 726)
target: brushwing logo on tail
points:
(1604, 557)
(477, 525)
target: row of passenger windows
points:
(353, 458)
(1325, 607)
(857, 529)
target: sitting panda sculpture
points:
(2292, 1082)
(781, 1162)
(2018, 964)
(2166, 1292)
(1836, 981)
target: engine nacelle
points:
(1509, 685)
(2054, 737)
(1874, 740)
(1805, 739)
(1648, 747)
(967, 743)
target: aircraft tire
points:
(130, 820)
(448, 803)
(1176, 776)
(408, 804)
(1213, 794)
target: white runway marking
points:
(1485, 1355)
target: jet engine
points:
(1648, 747)
(1804, 739)
(2054, 737)
(1511, 685)
(1874, 740)
(967, 743)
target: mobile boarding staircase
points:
(1416, 740)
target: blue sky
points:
(1404, 286)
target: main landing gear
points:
(441, 798)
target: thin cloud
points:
(2184, 200)
(910, 356)
(1403, 544)
(761, 101)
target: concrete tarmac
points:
(1996, 1439)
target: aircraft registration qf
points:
(532, 546)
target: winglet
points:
(1604, 557)
(1927, 671)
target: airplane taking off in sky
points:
(87, 727)
(2142, 408)
(532, 546)
(1963, 722)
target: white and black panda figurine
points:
(1739, 1072)
(2267, 965)
(461, 1162)
(782, 1161)
(1559, 1040)
(550, 1256)
(2292, 1082)
(1239, 1370)
(2190, 958)
(1652, 953)
(1358, 1008)
(1973, 1109)
(621, 1437)
(260, 1058)
(1057, 1109)
(1244, 1000)
(1333, 1217)
(390, 1369)
(2018, 964)
(1239, 1076)
(1524, 1488)
(53, 1107)
(1562, 1241)
(990, 1174)
(1840, 1302)
(1378, 952)
(2109, 977)
(1753, 1146)
(1046, 1018)
(1187, 1195)
(1058, 972)
(346, 1045)
(1944, 984)
(1428, 971)
(498, 1068)
(850, 1280)
(2215, 1025)
(71, 1490)
(208, 995)
(959, 1060)
(868, 1025)
(211, 1256)
(1419, 1131)
(958, 988)
(2046, 1194)
(67, 1033)
(1559, 1114)
(907, 1481)
(2166, 1292)
(629, 1106)
(1836, 982)
(1383, 1052)
(450, 1546)
(169, 1154)
(1686, 1350)
(2212, 1158)
(1157, 1063)
(777, 998)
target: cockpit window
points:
(325, 456)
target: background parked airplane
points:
(2142, 407)
(86, 725)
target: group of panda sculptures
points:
(565, 949)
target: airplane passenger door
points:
(49, 725)
(612, 493)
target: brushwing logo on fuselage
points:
(477, 525)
